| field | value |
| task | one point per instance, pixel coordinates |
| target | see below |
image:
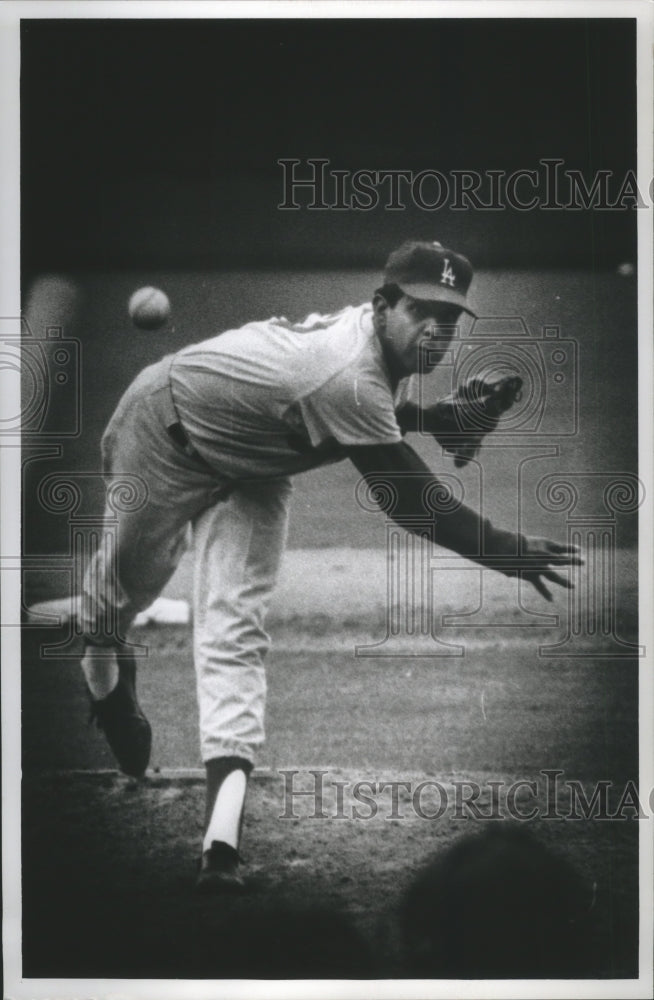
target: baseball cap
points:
(427, 270)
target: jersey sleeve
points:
(353, 410)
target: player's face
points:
(416, 333)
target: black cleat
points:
(121, 718)
(219, 870)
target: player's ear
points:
(380, 308)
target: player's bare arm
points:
(399, 469)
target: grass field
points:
(124, 852)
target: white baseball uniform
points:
(215, 431)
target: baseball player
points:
(216, 431)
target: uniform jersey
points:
(274, 398)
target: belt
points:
(177, 434)
(170, 416)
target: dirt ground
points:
(109, 866)
(109, 863)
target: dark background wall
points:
(155, 143)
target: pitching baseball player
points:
(216, 431)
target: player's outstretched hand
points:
(536, 562)
(461, 421)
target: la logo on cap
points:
(448, 276)
(429, 271)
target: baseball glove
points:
(460, 421)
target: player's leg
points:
(145, 535)
(119, 583)
(238, 547)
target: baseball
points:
(149, 308)
(626, 269)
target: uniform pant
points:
(238, 533)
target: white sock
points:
(226, 816)
(100, 667)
